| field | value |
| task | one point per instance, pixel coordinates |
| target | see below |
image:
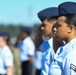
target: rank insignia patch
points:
(73, 67)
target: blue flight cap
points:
(5, 34)
(67, 8)
(2, 34)
(47, 13)
(26, 29)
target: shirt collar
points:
(65, 47)
(5, 47)
(50, 41)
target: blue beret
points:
(47, 13)
(26, 29)
(67, 8)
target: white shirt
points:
(27, 48)
(6, 59)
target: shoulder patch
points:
(73, 67)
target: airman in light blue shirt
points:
(64, 62)
(27, 50)
(6, 56)
(48, 20)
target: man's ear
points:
(70, 28)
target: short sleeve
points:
(31, 49)
(69, 67)
(29, 46)
(8, 58)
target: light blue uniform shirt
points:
(38, 60)
(64, 62)
(27, 48)
(6, 59)
(47, 57)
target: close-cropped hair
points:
(70, 19)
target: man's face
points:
(23, 35)
(62, 28)
(47, 28)
(54, 30)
